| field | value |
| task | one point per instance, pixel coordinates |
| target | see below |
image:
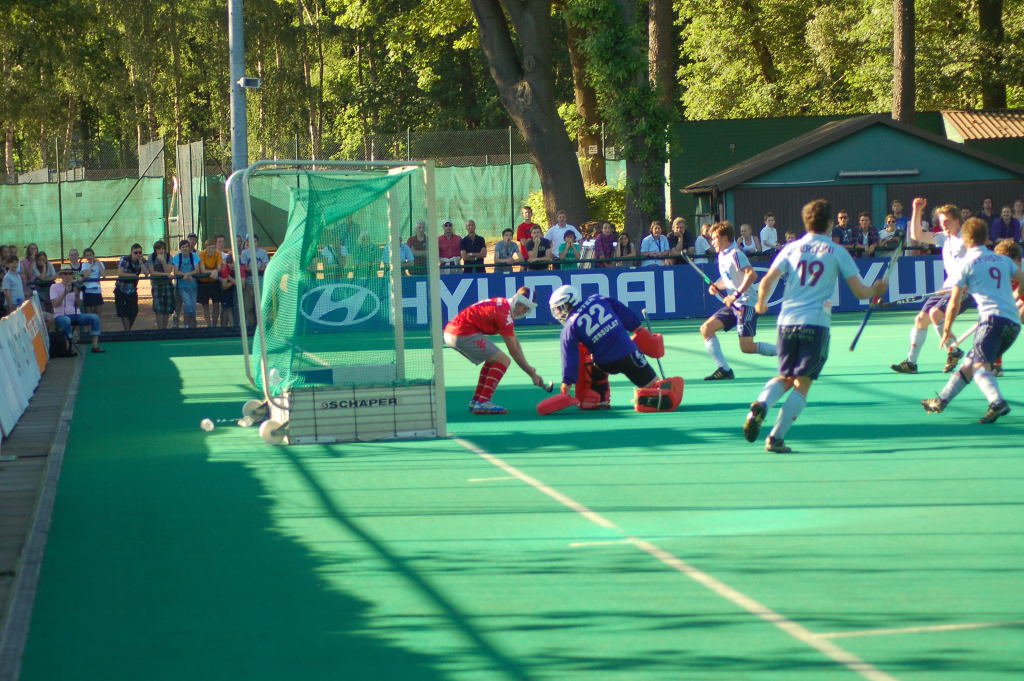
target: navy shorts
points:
(803, 350)
(994, 336)
(634, 365)
(745, 320)
(940, 302)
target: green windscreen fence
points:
(489, 195)
(328, 302)
(32, 213)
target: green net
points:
(87, 211)
(332, 296)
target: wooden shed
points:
(858, 164)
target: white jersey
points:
(811, 265)
(988, 278)
(731, 263)
(953, 252)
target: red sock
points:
(998, 362)
(490, 375)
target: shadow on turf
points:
(163, 565)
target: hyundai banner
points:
(667, 292)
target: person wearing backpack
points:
(187, 265)
(65, 299)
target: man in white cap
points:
(468, 333)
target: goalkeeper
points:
(600, 326)
(468, 333)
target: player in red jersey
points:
(468, 333)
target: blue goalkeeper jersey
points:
(603, 326)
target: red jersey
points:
(489, 317)
(523, 232)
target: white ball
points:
(206, 424)
(274, 375)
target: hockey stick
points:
(707, 280)
(876, 303)
(647, 321)
(909, 299)
(957, 341)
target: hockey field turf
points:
(584, 545)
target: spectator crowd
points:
(190, 277)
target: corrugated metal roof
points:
(822, 137)
(987, 125)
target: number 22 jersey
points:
(811, 266)
(603, 326)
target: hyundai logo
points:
(339, 304)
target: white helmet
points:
(563, 301)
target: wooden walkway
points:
(27, 490)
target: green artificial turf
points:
(180, 554)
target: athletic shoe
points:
(472, 404)
(951, 359)
(997, 370)
(721, 375)
(772, 444)
(904, 367)
(995, 410)
(934, 405)
(753, 424)
(488, 408)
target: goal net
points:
(348, 318)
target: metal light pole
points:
(239, 125)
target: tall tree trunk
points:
(525, 80)
(903, 58)
(589, 137)
(992, 37)
(661, 50)
(645, 194)
(759, 42)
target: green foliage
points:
(615, 48)
(604, 202)
(836, 57)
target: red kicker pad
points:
(592, 387)
(665, 395)
(651, 344)
(550, 405)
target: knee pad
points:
(665, 395)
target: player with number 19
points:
(987, 276)
(736, 280)
(811, 266)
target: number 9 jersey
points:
(811, 266)
(603, 326)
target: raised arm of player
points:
(917, 233)
(515, 351)
(765, 288)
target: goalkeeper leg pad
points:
(664, 395)
(555, 403)
(651, 344)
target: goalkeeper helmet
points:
(563, 301)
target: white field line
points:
(316, 358)
(500, 477)
(921, 630)
(797, 631)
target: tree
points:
(617, 64)
(992, 36)
(903, 89)
(522, 69)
